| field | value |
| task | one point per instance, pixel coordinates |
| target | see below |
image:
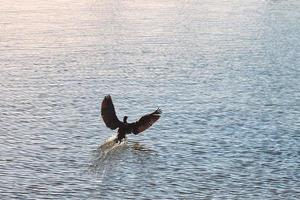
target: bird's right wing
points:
(108, 113)
(146, 121)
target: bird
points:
(111, 120)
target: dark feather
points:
(146, 121)
(108, 113)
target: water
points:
(225, 73)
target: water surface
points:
(225, 73)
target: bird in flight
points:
(111, 120)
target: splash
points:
(111, 143)
(106, 155)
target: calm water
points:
(225, 73)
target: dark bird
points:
(111, 120)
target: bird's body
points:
(111, 120)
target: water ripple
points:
(225, 74)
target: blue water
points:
(224, 72)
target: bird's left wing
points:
(146, 121)
(108, 113)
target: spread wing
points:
(108, 113)
(146, 121)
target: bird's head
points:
(125, 119)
